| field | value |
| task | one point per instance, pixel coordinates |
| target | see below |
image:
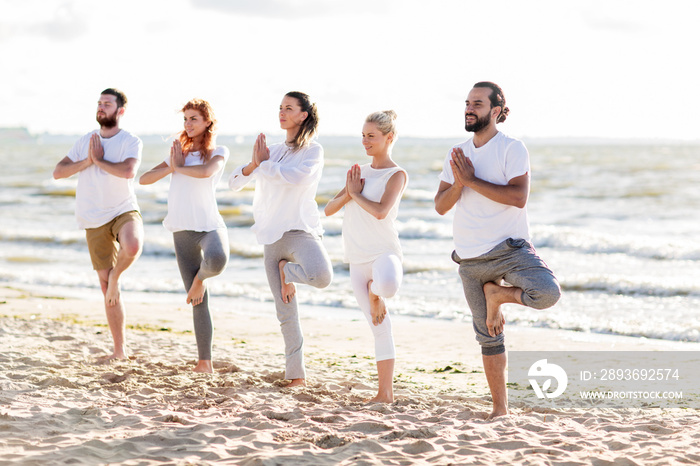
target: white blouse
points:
(192, 201)
(285, 191)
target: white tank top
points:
(364, 236)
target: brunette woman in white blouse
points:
(199, 232)
(287, 221)
(371, 198)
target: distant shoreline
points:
(21, 134)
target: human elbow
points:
(520, 201)
(439, 208)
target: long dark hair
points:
(310, 124)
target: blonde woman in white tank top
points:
(371, 199)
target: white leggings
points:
(386, 272)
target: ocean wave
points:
(671, 333)
(594, 242)
(415, 228)
(620, 286)
(55, 237)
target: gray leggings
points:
(516, 262)
(204, 254)
(308, 264)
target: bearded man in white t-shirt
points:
(106, 161)
(487, 179)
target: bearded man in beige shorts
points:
(107, 160)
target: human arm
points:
(379, 209)
(242, 174)
(299, 169)
(67, 168)
(460, 170)
(260, 153)
(447, 196)
(515, 193)
(156, 173)
(205, 170)
(337, 203)
(125, 169)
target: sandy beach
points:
(59, 404)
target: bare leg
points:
(377, 307)
(385, 371)
(196, 293)
(288, 290)
(495, 370)
(115, 318)
(204, 366)
(495, 296)
(130, 243)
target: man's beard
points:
(107, 122)
(478, 125)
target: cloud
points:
(288, 8)
(65, 25)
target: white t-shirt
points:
(365, 237)
(285, 191)
(100, 196)
(192, 201)
(480, 223)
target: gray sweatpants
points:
(308, 264)
(204, 254)
(516, 262)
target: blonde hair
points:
(384, 120)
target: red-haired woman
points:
(199, 231)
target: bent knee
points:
(322, 278)
(544, 297)
(132, 248)
(385, 288)
(217, 263)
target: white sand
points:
(60, 405)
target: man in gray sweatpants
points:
(487, 179)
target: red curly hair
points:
(209, 136)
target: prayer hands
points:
(260, 151)
(95, 150)
(462, 167)
(354, 182)
(177, 158)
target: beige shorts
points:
(103, 242)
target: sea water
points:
(616, 221)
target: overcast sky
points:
(593, 68)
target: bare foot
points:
(497, 413)
(288, 290)
(377, 307)
(196, 294)
(204, 366)
(112, 294)
(297, 383)
(115, 356)
(381, 399)
(495, 296)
